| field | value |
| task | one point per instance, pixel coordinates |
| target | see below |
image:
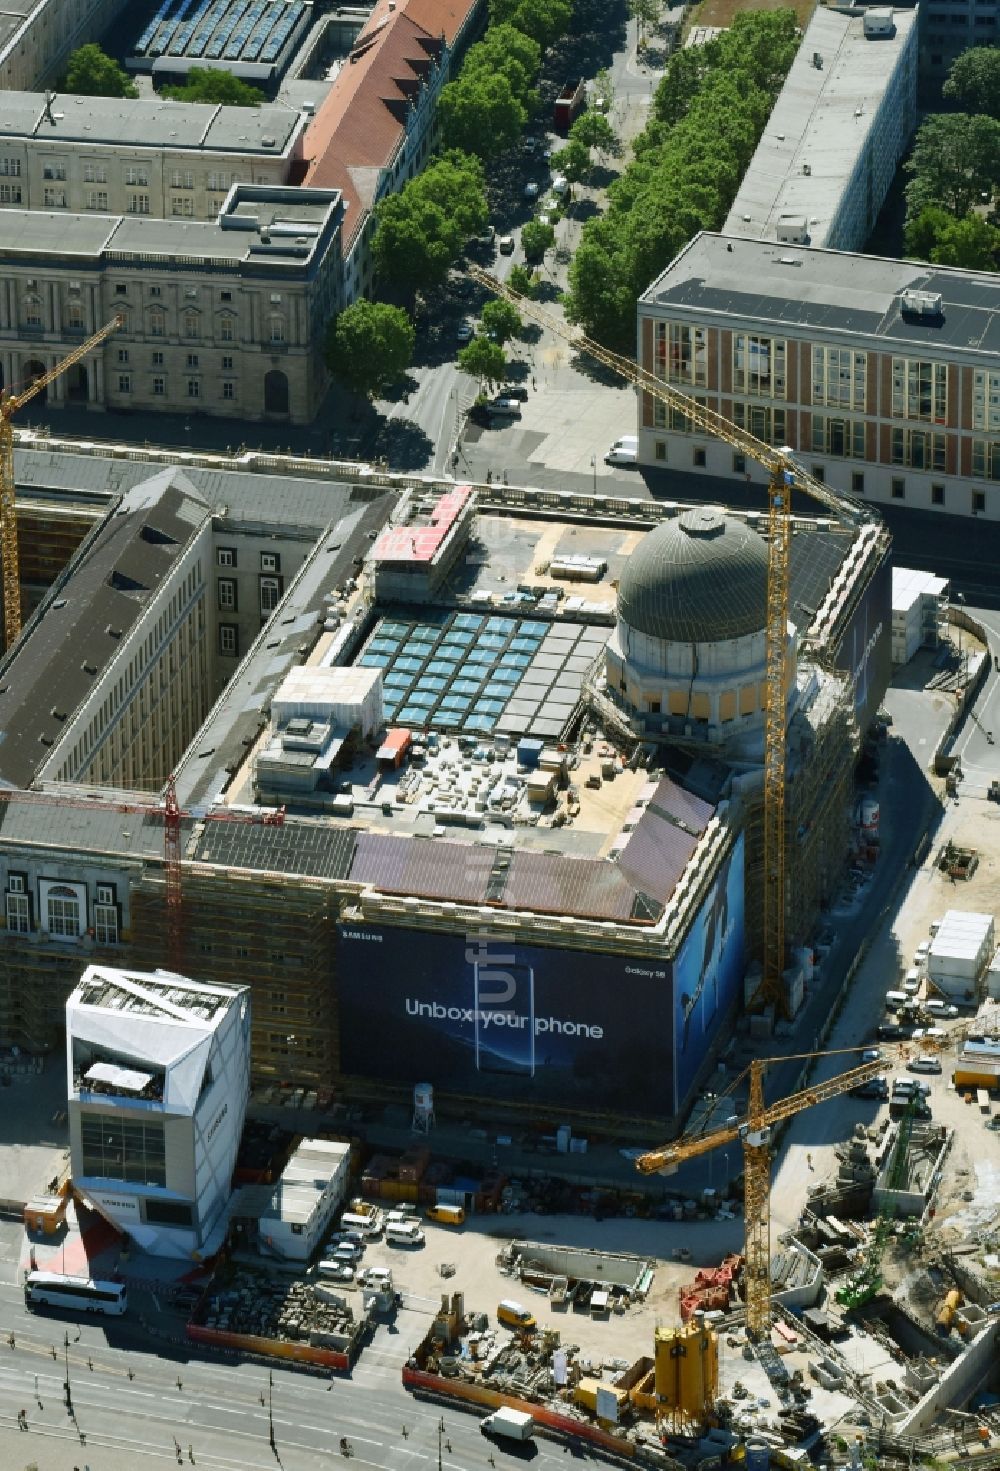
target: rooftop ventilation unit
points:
(924, 304)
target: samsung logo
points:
(221, 1115)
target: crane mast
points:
(10, 402)
(784, 475)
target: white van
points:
(400, 1217)
(406, 1233)
(367, 1225)
(895, 999)
(911, 985)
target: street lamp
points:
(960, 598)
(270, 1410)
(440, 1438)
(593, 466)
(66, 1388)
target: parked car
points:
(622, 456)
(875, 1088)
(531, 190)
(335, 1271)
(464, 332)
(506, 408)
(506, 245)
(940, 1008)
(560, 184)
(347, 1252)
(871, 1054)
(515, 390)
(376, 1277)
(488, 236)
(347, 1238)
(890, 1032)
(924, 1064)
(906, 1086)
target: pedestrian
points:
(505, 482)
(533, 385)
(809, 1160)
(489, 477)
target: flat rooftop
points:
(812, 291)
(149, 122)
(156, 994)
(821, 122)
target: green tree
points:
(369, 346)
(593, 130)
(974, 81)
(573, 161)
(646, 12)
(422, 230)
(90, 72)
(481, 114)
(524, 281)
(212, 84)
(935, 235)
(543, 20)
(955, 158)
(536, 239)
(484, 360)
(509, 52)
(501, 320)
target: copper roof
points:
(357, 131)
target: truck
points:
(568, 106)
(509, 1424)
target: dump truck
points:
(509, 1424)
(568, 106)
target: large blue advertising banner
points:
(708, 970)
(481, 1015)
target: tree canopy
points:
(369, 346)
(536, 239)
(481, 114)
(501, 320)
(593, 130)
(484, 360)
(423, 229)
(937, 236)
(91, 72)
(213, 84)
(543, 20)
(974, 81)
(524, 281)
(573, 161)
(955, 159)
(708, 115)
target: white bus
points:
(53, 1289)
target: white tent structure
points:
(158, 1080)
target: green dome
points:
(700, 577)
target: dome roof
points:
(698, 578)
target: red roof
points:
(357, 131)
(419, 543)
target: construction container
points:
(686, 1362)
(960, 951)
(949, 1308)
(529, 752)
(585, 1394)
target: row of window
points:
(134, 175)
(227, 557)
(158, 387)
(271, 589)
(157, 360)
(839, 375)
(156, 323)
(897, 485)
(63, 916)
(118, 1149)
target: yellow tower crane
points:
(754, 1132)
(784, 475)
(10, 402)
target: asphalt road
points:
(216, 1407)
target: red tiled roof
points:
(360, 126)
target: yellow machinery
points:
(784, 476)
(9, 404)
(686, 1375)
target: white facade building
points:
(834, 139)
(312, 1188)
(918, 604)
(158, 1075)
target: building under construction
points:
(438, 800)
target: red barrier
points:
(302, 1353)
(478, 1394)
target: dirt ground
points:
(721, 12)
